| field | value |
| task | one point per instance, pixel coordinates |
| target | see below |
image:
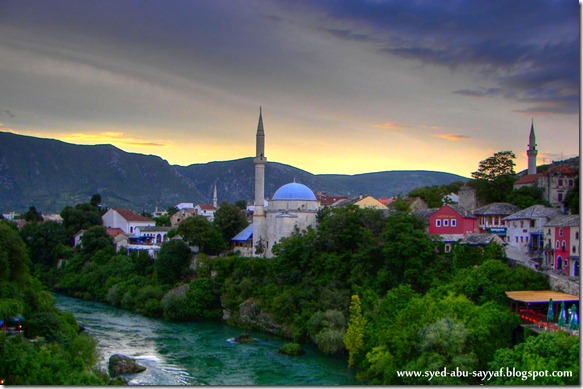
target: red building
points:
(452, 220)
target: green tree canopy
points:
(42, 240)
(80, 217)
(198, 231)
(173, 261)
(230, 220)
(495, 177)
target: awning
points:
(540, 296)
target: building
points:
(491, 217)
(524, 229)
(326, 200)
(206, 210)
(293, 207)
(562, 244)
(452, 223)
(555, 182)
(362, 201)
(181, 215)
(154, 234)
(126, 220)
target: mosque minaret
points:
(259, 227)
(532, 151)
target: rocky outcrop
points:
(250, 315)
(121, 364)
(244, 339)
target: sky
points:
(345, 87)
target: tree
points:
(571, 200)
(42, 240)
(32, 215)
(14, 261)
(553, 352)
(173, 261)
(354, 337)
(81, 217)
(96, 200)
(198, 231)
(230, 220)
(95, 239)
(527, 196)
(495, 177)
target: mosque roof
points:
(294, 191)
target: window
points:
(560, 182)
(446, 222)
(453, 222)
(560, 232)
(438, 223)
(560, 197)
(564, 246)
(571, 182)
(557, 245)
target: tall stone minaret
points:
(215, 198)
(259, 226)
(532, 151)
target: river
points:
(200, 353)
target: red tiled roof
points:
(206, 207)
(324, 199)
(131, 216)
(114, 231)
(528, 179)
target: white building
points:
(524, 229)
(126, 220)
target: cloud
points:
(111, 137)
(527, 51)
(391, 126)
(348, 35)
(7, 113)
(453, 137)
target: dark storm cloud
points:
(527, 50)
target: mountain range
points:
(51, 174)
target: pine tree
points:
(354, 337)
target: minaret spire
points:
(215, 198)
(532, 152)
(259, 226)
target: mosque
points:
(293, 206)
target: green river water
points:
(200, 353)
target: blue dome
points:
(294, 191)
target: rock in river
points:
(121, 364)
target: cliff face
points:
(51, 174)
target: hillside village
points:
(545, 238)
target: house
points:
(490, 217)
(126, 220)
(155, 234)
(452, 222)
(185, 206)
(363, 201)
(452, 219)
(181, 215)
(562, 244)
(206, 210)
(77, 238)
(555, 183)
(524, 229)
(325, 200)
